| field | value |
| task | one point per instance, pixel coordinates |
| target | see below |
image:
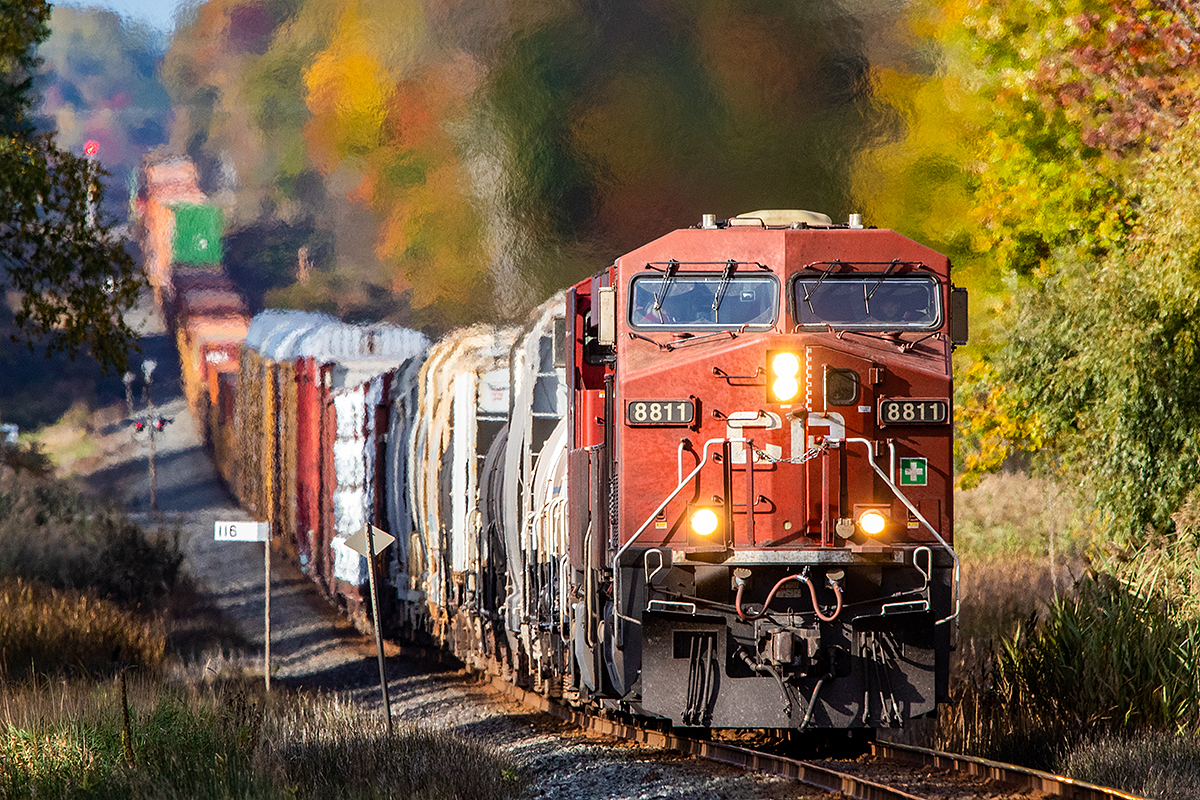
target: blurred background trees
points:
(67, 275)
(437, 163)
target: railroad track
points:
(825, 776)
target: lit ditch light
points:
(705, 521)
(784, 376)
(873, 521)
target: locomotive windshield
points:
(669, 300)
(868, 302)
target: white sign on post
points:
(254, 532)
(357, 541)
(241, 531)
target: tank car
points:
(446, 414)
(759, 477)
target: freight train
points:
(710, 485)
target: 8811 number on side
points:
(911, 411)
(660, 412)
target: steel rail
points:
(1020, 777)
(805, 772)
(814, 775)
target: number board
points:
(241, 531)
(660, 412)
(914, 412)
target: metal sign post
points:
(267, 609)
(254, 532)
(148, 370)
(368, 542)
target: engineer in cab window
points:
(905, 306)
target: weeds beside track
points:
(227, 740)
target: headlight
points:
(705, 521)
(784, 380)
(785, 388)
(872, 522)
(785, 365)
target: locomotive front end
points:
(766, 404)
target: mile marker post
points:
(254, 532)
(267, 608)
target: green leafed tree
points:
(66, 269)
(1088, 201)
(1107, 351)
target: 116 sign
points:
(241, 531)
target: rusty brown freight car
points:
(210, 320)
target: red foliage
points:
(1130, 77)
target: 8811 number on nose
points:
(660, 412)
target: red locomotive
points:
(760, 424)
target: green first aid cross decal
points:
(914, 471)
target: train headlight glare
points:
(785, 388)
(872, 522)
(785, 365)
(704, 521)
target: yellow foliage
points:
(348, 89)
(993, 422)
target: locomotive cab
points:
(760, 472)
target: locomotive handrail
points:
(690, 339)
(913, 510)
(621, 551)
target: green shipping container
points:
(198, 231)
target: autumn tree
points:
(1088, 203)
(516, 148)
(69, 270)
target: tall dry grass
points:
(81, 586)
(63, 538)
(227, 740)
(1093, 673)
(1015, 536)
(49, 632)
(1164, 766)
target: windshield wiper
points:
(808, 293)
(878, 283)
(726, 279)
(661, 294)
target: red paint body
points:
(308, 462)
(794, 505)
